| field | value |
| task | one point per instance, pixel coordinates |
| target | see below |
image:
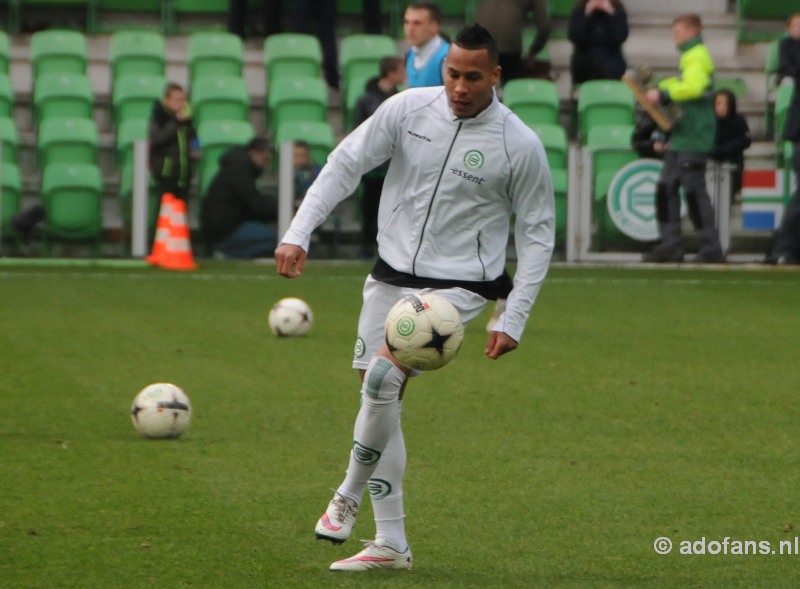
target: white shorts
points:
(379, 297)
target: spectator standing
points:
(238, 17)
(392, 75)
(323, 14)
(238, 221)
(732, 137)
(597, 30)
(789, 70)
(173, 142)
(425, 59)
(505, 19)
(690, 143)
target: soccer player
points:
(460, 165)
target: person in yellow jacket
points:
(690, 143)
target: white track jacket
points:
(449, 194)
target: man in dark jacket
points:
(173, 142)
(239, 221)
(378, 89)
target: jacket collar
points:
(693, 42)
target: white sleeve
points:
(368, 146)
(534, 232)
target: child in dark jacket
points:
(732, 137)
(173, 142)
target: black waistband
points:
(488, 289)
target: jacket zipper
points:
(480, 259)
(433, 196)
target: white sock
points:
(378, 419)
(386, 493)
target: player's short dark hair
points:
(259, 144)
(475, 37)
(433, 9)
(171, 87)
(691, 20)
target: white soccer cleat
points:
(338, 520)
(375, 556)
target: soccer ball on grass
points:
(290, 316)
(424, 331)
(161, 410)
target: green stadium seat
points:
(291, 55)
(6, 96)
(72, 194)
(356, 86)
(318, 134)
(9, 138)
(297, 99)
(5, 52)
(136, 52)
(214, 54)
(63, 95)
(67, 140)
(762, 20)
(129, 132)
(554, 139)
(735, 85)
(12, 194)
(216, 137)
(610, 148)
(204, 15)
(770, 70)
(126, 198)
(115, 14)
(220, 98)
(604, 102)
(560, 8)
(360, 55)
(58, 52)
(783, 100)
(534, 101)
(132, 96)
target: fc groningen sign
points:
(631, 199)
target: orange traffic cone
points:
(178, 248)
(162, 229)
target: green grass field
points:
(641, 403)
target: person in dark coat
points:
(789, 69)
(597, 30)
(732, 138)
(173, 142)
(238, 221)
(378, 89)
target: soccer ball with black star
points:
(161, 410)
(290, 316)
(424, 331)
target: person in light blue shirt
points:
(425, 59)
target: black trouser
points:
(687, 170)
(323, 13)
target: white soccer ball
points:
(424, 331)
(161, 410)
(290, 316)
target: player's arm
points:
(534, 235)
(695, 78)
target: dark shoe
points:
(661, 254)
(710, 256)
(24, 221)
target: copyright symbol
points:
(662, 545)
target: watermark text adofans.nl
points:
(726, 546)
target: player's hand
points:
(289, 260)
(653, 95)
(498, 344)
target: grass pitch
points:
(640, 404)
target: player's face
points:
(419, 27)
(469, 78)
